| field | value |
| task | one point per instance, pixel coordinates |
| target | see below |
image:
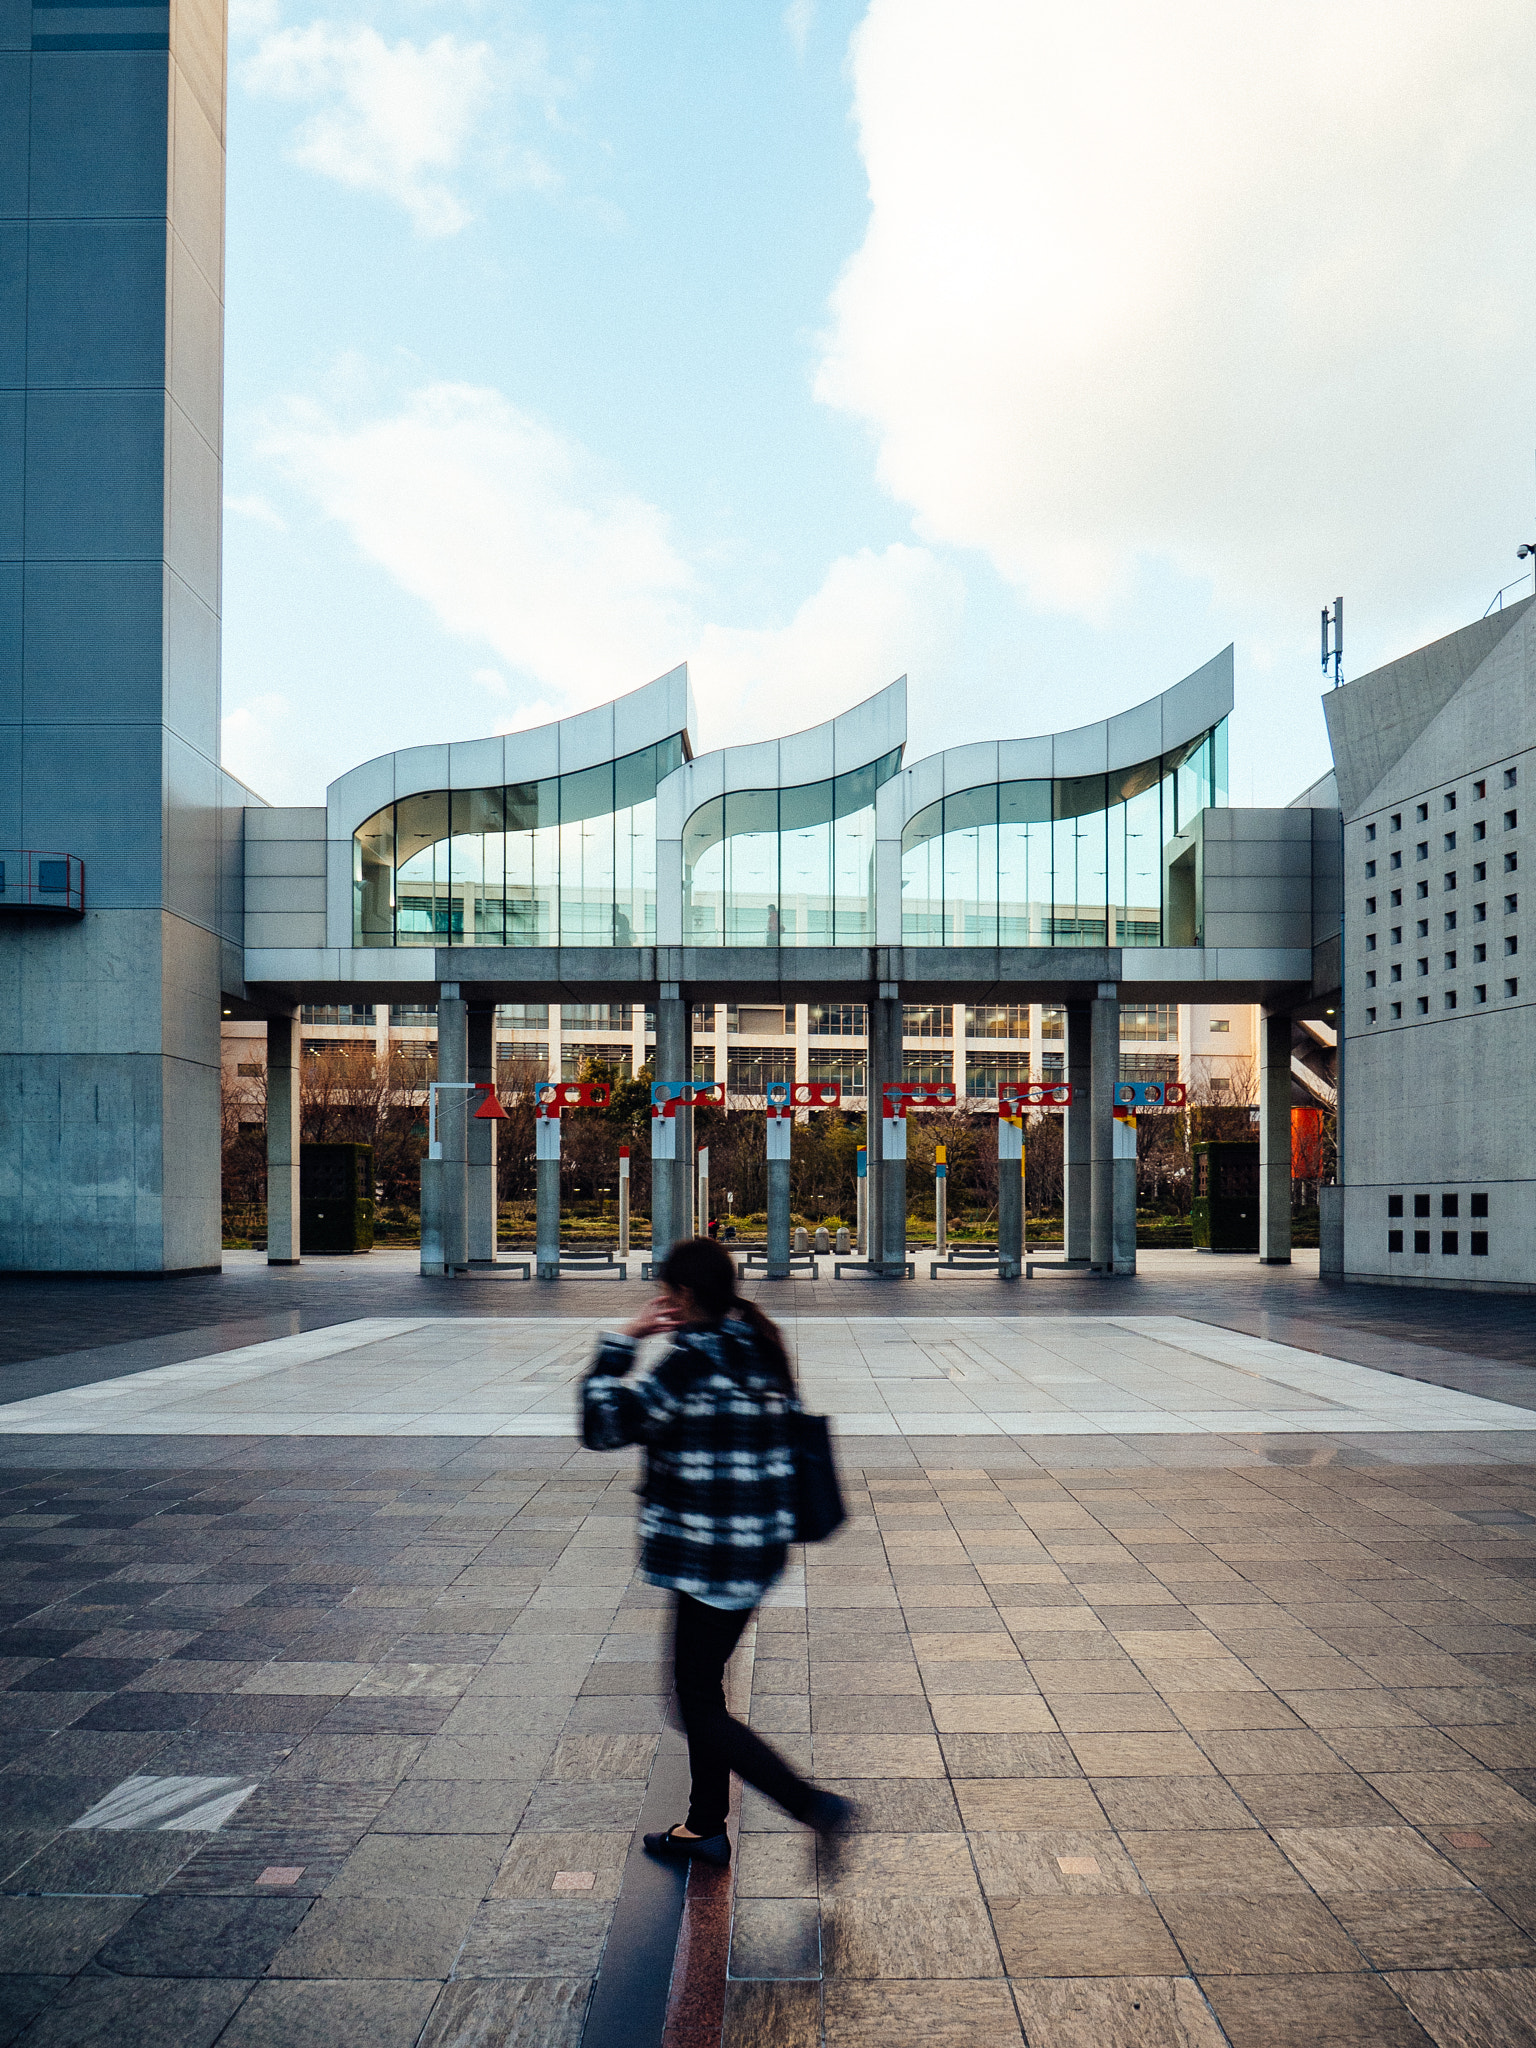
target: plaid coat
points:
(719, 1491)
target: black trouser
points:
(702, 1642)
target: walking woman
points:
(719, 1494)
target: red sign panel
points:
(551, 1097)
(900, 1096)
(1034, 1095)
(816, 1094)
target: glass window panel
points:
(985, 1071)
(849, 1065)
(704, 875)
(1023, 863)
(634, 849)
(970, 866)
(1080, 863)
(1137, 842)
(927, 1066)
(423, 903)
(477, 865)
(752, 867)
(805, 864)
(373, 880)
(922, 878)
(1219, 782)
(586, 857)
(853, 856)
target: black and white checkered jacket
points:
(719, 1492)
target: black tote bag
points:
(818, 1496)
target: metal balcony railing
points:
(30, 880)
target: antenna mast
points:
(1334, 652)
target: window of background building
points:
(523, 1016)
(837, 1020)
(575, 1053)
(750, 1068)
(997, 1020)
(927, 1066)
(845, 1064)
(413, 1013)
(1149, 1020)
(1053, 1021)
(337, 1013)
(1149, 1066)
(928, 1020)
(987, 1072)
(531, 1052)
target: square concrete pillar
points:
(887, 1197)
(1105, 1071)
(672, 1179)
(283, 1048)
(481, 1137)
(453, 1123)
(1077, 1233)
(1274, 1138)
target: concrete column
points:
(546, 1219)
(1274, 1138)
(1125, 1195)
(671, 1180)
(452, 1123)
(779, 1132)
(1010, 1198)
(283, 1046)
(887, 1198)
(482, 1138)
(1078, 1232)
(1104, 1059)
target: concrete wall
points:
(111, 354)
(285, 876)
(1439, 1000)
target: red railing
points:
(30, 880)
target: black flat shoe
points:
(674, 1848)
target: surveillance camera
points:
(1524, 550)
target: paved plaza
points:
(1178, 1649)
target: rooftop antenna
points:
(1335, 651)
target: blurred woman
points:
(714, 1417)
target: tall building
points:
(111, 355)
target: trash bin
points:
(1224, 1215)
(335, 1198)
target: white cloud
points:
(516, 538)
(799, 16)
(521, 543)
(254, 506)
(258, 744)
(391, 118)
(1248, 290)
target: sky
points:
(1033, 353)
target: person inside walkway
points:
(714, 1417)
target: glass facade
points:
(566, 861)
(1073, 862)
(785, 867)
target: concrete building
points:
(111, 362)
(1435, 757)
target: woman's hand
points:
(658, 1315)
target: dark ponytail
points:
(708, 1271)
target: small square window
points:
(1421, 1205)
(1370, 906)
(1421, 1240)
(1397, 935)
(1512, 944)
(1450, 999)
(1397, 1008)
(1479, 828)
(1421, 851)
(1370, 1016)
(1450, 920)
(1479, 913)
(1423, 967)
(1450, 962)
(1450, 1205)
(1450, 842)
(1396, 861)
(1509, 778)
(1479, 954)
(1450, 1243)
(1397, 821)
(1397, 970)
(1479, 1205)
(1511, 862)
(1511, 820)
(1370, 869)
(1480, 993)
(1394, 1240)
(1394, 1205)
(1396, 898)
(1449, 881)
(1511, 988)
(1479, 1244)
(1370, 831)
(1422, 891)
(1370, 942)
(1423, 1006)
(1511, 904)
(1480, 871)
(1422, 813)
(1448, 801)
(1370, 977)
(1479, 789)
(1423, 927)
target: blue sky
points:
(1036, 358)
